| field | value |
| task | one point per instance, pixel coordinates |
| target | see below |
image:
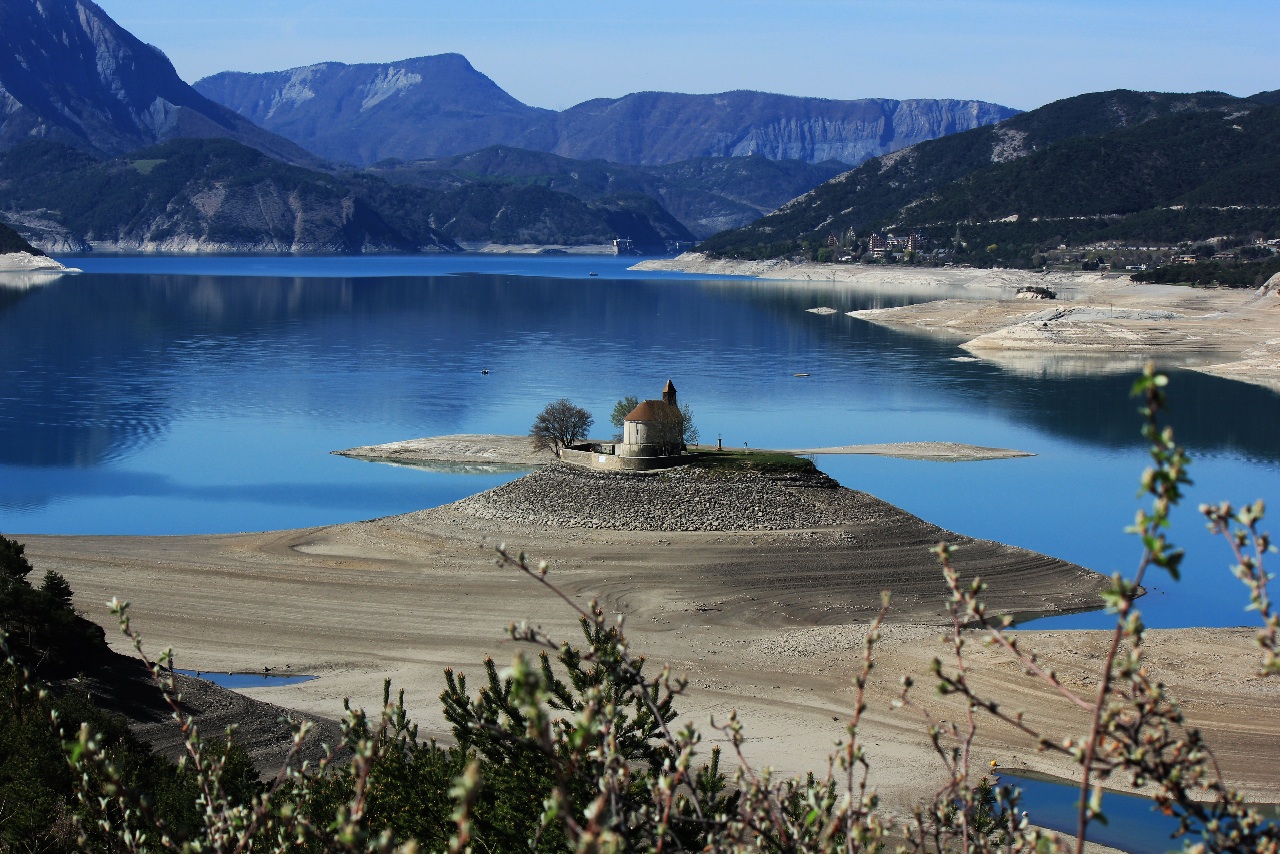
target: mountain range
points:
(438, 106)
(190, 195)
(1118, 165)
(103, 145)
(72, 80)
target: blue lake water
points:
(1133, 824)
(246, 680)
(166, 395)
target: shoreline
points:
(1230, 333)
(767, 621)
(24, 264)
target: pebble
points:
(679, 499)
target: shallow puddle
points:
(246, 680)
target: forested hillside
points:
(1116, 165)
(11, 241)
(706, 194)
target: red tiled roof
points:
(652, 410)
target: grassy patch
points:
(145, 167)
(751, 461)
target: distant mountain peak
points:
(69, 73)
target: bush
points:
(45, 802)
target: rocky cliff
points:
(662, 127)
(71, 74)
(440, 105)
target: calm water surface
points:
(186, 395)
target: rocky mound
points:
(679, 499)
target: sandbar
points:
(484, 450)
(495, 452)
(25, 262)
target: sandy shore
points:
(496, 452)
(1099, 322)
(765, 621)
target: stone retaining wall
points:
(612, 462)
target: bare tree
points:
(689, 430)
(674, 429)
(559, 425)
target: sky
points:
(556, 53)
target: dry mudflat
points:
(765, 616)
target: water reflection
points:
(22, 280)
(230, 390)
(1041, 365)
(95, 368)
(1133, 823)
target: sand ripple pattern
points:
(680, 499)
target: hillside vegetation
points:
(1108, 166)
(219, 195)
(11, 241)
(706, 195)
(213, 194)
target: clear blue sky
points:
(555, 53)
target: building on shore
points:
(652, 438)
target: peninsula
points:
(1229, 332)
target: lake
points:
(169, 395)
